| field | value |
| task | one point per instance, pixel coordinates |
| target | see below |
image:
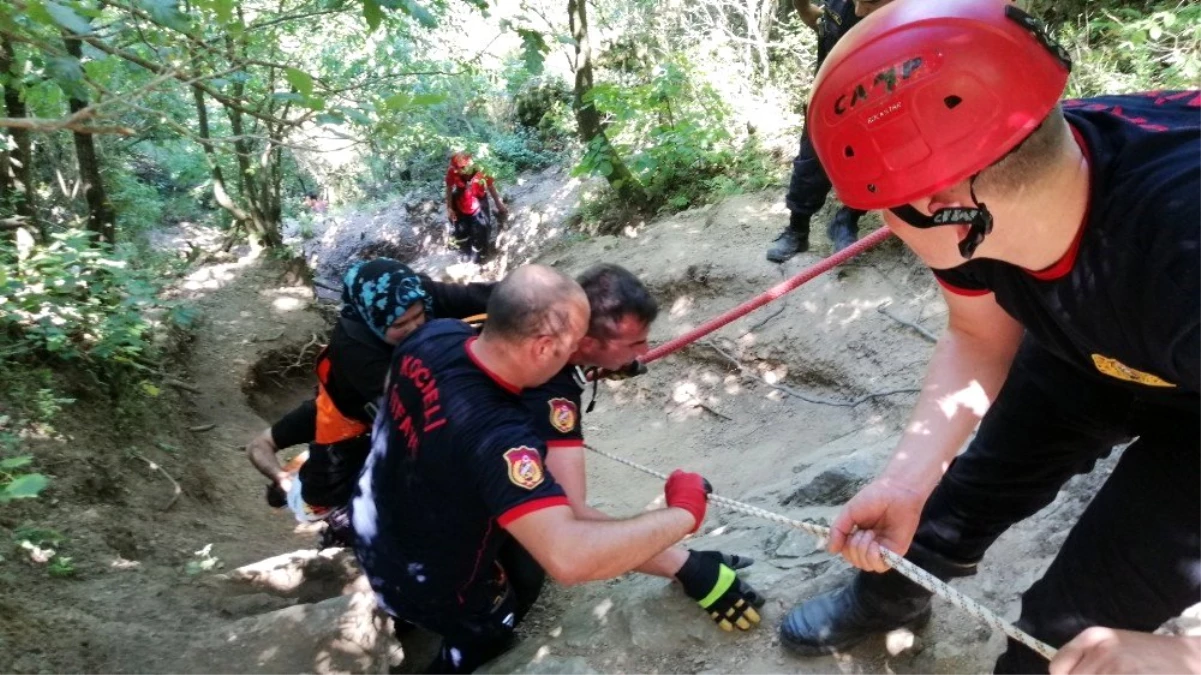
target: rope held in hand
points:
(912, 572)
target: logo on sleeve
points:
(525, 467)
(563, 415)
(1115, 368)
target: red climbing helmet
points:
(460, 161)
(922, 95)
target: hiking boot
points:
(844, 228)
(845, 617)
(793, 240)
(338, 532)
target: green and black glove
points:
(709, 577)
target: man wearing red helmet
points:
(467, 191)
(1066, 239)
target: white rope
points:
(914, 573)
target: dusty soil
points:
(843, 373)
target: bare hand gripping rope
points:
(912, 572)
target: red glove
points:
(688, 491)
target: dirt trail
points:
(800, 448)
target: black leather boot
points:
(844, 228)
(845, 617)
(793, 240)
(870, 604)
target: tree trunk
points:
(253, 183)
(101, 219)
(219, 192)
(19, 166)
(587, 117)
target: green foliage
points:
(18, 484)
(671, 131)
(1119, 48)
(538, 99)
(83, 304)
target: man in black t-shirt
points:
(456, 474)
(1066, 238)
(622, 311)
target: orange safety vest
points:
(332, 425)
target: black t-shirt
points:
(296, 427)
(838, 17)
(453, 461)
(1124, 303)
(359, 359)
(556, 408)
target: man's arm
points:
(969, 365)
(566, 463)
(809, 12)
(1105, 651)
(573, 551)
(298, 426)
(500, 204)
(261, 452)
(457, 301)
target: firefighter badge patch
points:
(563, 415)
(525, 467)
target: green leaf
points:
(15, 462)
(417, 11)
(373, 15)
(566, 40)
(69, 19)
(314, 103)
(224, 9)
(165, 12)
(605, 168)
(533, 50)
(398, 101)
(300, 80)
(24, 487)
(67, 72)
(429, 99)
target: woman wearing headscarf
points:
(382, 302)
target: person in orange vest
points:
(467, 192)
(383, 301)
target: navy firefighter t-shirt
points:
(556, 408)
(1123, 304)
(453, 461)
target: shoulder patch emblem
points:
(525, 467)
(563, 414)
(1115, 368)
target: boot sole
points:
(802, 649)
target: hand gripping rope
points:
(914, 573)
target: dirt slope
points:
(841, 369)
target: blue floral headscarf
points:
(378, 292)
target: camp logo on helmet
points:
(954, 216)
(893, 77)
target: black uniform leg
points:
(1133, 560)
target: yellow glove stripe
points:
(725, 579)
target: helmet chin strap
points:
(977, 218)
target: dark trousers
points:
(809, 185)
(472, 234)
(329, 475)
(472, 638)
(1133, 559)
